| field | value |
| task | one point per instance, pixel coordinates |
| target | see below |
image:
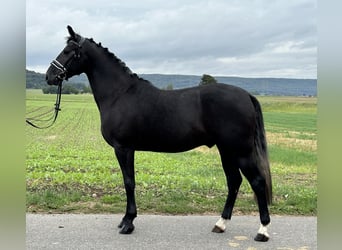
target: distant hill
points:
(260, 86)
(36, 80)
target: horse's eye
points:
(67, 50)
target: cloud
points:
(266, 38)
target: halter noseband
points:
(62, 75)
(59, 66)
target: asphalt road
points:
(78, 231)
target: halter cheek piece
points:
(59, 66)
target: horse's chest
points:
(109, 130)
(118, 132)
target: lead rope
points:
(38, 118)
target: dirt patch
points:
(301, 144)
(280, 139)
(205, 150)
(51, 137)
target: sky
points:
(246, 38)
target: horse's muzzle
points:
(53, 81)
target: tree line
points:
(68, 88)
(80, 88)
(36, 80)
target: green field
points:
(70, 168)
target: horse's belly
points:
(170, 148)
(172, 144)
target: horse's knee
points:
(129, 185)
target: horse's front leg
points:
(126, 161)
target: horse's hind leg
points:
(258, 184)
(234, 180)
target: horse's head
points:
(69, 62)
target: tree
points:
(69, 89)
(169, 87)
(50, 90)
(86, 89)
(66, 89)
(207, 79)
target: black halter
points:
(61, 76)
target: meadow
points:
(70, 168)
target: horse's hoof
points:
(126, 228)
(216, 229)
(261, 238)
(121, 224)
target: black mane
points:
(112, 55)
(118, 60)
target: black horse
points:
(135, 115)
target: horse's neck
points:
(107, 78)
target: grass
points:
(71, 169)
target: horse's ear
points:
(71, 32)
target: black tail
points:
(261, 152)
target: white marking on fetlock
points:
(221, 223)
(263, 230)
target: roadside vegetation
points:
(70, 168)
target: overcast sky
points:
(262, 38)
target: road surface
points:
(80, 231)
